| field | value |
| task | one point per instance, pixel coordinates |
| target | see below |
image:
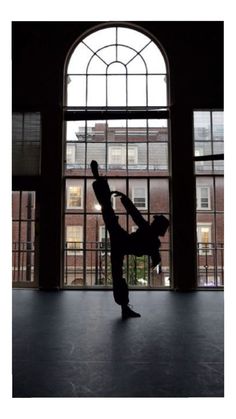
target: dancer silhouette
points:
(144, 241)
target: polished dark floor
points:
(74, 344)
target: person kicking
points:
(144, 241)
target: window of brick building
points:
(116, 112)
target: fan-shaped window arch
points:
(116, 112)
(141, 62)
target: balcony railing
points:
(210, 262)
(23, 262)
(91, 266)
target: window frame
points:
(76, 207)
(74, 251)
(199, 197)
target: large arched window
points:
(116, 112)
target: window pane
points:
(202, 126)
(137, 97)
(76, 90)
(74, 194)
(116, 90)
(137, 66)
(124, 53)
(133, 38)
(74, 250)
(157, 130)
(138, 193)
(96, 66)
(157, 91)
(154, 59)
(75, 131)
(219, 191)
(108, 54)
(79, 59)
(218, 126)
(158, 157)
(159, 196)
(23, 237)
(96, 91)
(26, 143)
(100, 38)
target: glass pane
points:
(117, 156)
(218, 126)
(100, 38)
(75, 159)
(159, 196)
(138, 193)
(26, 143)
(74, 194)
(27, 205)
(96, 66)
(220, 229)
(218, 147)
(74, 250)
(96, 91)
(205, 193)
(137, 97)
(137, 65)
(137, 157)
(75, 130)
(132, 38)
(108, 54)
(218, 166)
(124, 54)
(158, 157)
(157, 91)
(161, 279)
(219, 190)
(116, 131)
(15, 205)
(79, 59)
(116, 90)
(23, 237)
(76, 90)
(154, 59)
(202, 126)
(158, 130)
(96, 151)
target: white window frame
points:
(199, 197)
(80, 241)
(135, 149)
(73, 207)
(145, 195)
(122, 149)
(199, 238)
(111, 149)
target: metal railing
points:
(23, 262)
(210, 264)
(91, 266)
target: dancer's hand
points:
(117, 193)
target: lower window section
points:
(23, 239)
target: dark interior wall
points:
(194, 50)
(195, 55)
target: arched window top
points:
(116, 55)
(120, 44)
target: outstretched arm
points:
(131, 209)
